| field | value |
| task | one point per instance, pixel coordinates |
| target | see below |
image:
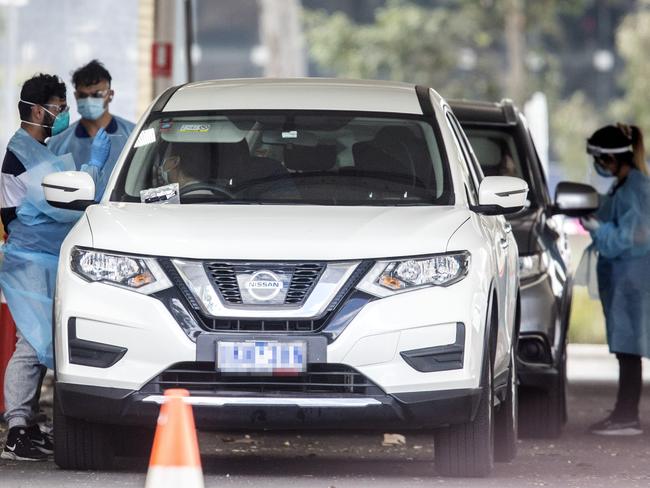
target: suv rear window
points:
(324, 158)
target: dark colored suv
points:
(504, 147)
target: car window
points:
(496, 152)
(472, 177)
(316, 158)
(474, 166)
(499, 154)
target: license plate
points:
(262, 357)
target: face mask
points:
(164, 175)
(90, 108)
(602, 171)
(61, 122)
(166, 167)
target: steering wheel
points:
(206, 185)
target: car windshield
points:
(322, 158)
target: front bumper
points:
(254, 412)
(539, 366)
(374, 342)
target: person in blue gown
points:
(620, 231)
(35, 231)
(93, 94)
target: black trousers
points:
(629, 387)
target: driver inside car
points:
(185, 170)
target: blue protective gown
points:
(75, 140)
(623, 244)
(31, 254)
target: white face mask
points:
(90, 108)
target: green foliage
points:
(408, 43)
(572, 122)
(633, 43)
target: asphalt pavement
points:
(339, 460)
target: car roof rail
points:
(510, 111)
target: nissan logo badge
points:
(264, 285)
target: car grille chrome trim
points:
(211, 302)
(271, 401)
(304, 276)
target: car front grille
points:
(263, 325)
(320, 378)
(304, 277)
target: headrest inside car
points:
(488, 151)
(310, 158)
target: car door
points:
(504, 247)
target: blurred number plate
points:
(265, 357)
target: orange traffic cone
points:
(175, 460)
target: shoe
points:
(19, 447)
(611, 426)
(40, 440)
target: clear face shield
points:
(603, 157)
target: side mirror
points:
(499, 195)
(575, 199)
(72, 190)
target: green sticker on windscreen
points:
(194, 128)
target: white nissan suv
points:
(297, 254)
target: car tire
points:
(135, 442)
(542, 412)
(467, 450)
(81, 445)
(506, 419)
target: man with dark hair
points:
(93, 93)
(28, 273)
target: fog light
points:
(534, 350)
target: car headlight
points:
(533, 265)
(389, 277)
(143, 275)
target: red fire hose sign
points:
(161, 60)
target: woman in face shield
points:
(620, 231)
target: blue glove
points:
(100, 149)
(590, 223)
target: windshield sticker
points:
(166, 125)
(146, 137)
(163, 194)
(194, 128)
(290, 134)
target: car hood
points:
(272, 232)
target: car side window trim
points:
(472, 163)
(471, 177)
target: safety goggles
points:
(97, 94)
(59, 108)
